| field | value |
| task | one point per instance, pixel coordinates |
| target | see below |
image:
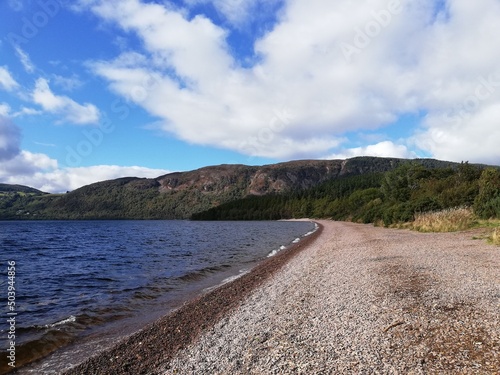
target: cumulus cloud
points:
(73, 178)
(42, 172)
(72, 111)
(335, 67)
(381, 149)
(236, 11)
(474, 137)
(25, 165)
(6, 81)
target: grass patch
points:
(450, 220)
(495, 237)
(454, 220)
(490, 223)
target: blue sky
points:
(99, 89)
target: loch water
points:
(89, 283)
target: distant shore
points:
(350, 299)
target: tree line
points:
(391, 197)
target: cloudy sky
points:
(98, 89)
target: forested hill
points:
(181, 195)
(392, 197)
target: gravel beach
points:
(355, 299)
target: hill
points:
(396, 196)
(182, 194)
(20, 189)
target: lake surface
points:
(91, 282)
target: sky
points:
(99, 89)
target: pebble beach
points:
(350, 299)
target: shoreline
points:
(363, 299)
(160, 341)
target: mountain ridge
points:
(8, 188)
(178, 195)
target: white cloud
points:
(383, 149)
(67, 179)
(236, 12)
(6, 81)
(194, 48)
(43, 173)
(474, 138)
(62, 105)
(25, 60)
(67, 83)
(25, 111)
(406, 59)
(4, 110)
(77, 177)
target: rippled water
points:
(74, 279)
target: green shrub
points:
(487, 202)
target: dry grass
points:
(453, 220)
(450, 220)
(495, 236)
(492, 237)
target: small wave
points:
(316, 227)
(235, 277)
(48, 302)
(40, 346)
(44, 327)
(297, 240)
(199, 274)
(143, 295)
(227, 280)
(70, 319)
(274, 252)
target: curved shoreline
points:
(363, 300)
(159, 342)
